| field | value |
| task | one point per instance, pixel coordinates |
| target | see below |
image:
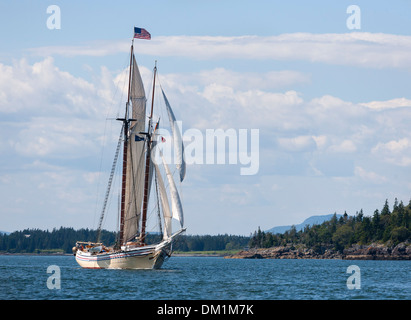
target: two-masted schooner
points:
(138, 139)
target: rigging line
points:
(150, 214)
(103, 147)
(109, 108)
(123, 75)
(109, 185)
(99, 181)
(150, 88)
(113, 187)
(158, 202)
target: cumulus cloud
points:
(48, 114)
(61, 110)
(42, 88)
(396, 152)
(51, 113)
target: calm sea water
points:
(205, 278)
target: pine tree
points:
(386, 209)
(376, 222)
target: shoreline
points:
(374, 251)
(402, 251)
(180, 254)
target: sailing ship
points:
(137, 141)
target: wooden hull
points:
(146, 257)
(149, 257)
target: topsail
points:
(178, 141)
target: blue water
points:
(205, 278)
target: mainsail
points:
(139, 165)
(135, 155)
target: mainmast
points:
(147, 171)
(126, 123)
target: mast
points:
(147, 171)
(126, 122)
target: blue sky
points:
(332, 106)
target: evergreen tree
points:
(386, 209)
(376, 225)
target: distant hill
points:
(309, 221)
(4, 232)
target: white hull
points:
(146, 257)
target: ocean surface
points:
(205, 278)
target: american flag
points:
(141, 33)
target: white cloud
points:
(369, 175)
(248, 80)
(320, 138)
(96, 49)
(389, 104)
(57, 137)
(346, 146)
(299, 144)
(66, 113)
(373, 50)
(42, 88)
(397, 152)
(394, 146)
(321, 141)
(51, 112)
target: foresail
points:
(135, 156)
(164, 204)
(178, 141)
(176, 207)
(138, 98)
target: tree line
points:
(63, 240)
(339, 233)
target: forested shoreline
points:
(62, 240)
(387, 226)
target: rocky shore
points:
(374, 251)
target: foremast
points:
(147, 164)
(126, 123)
(147, 169)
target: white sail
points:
(176, 207)
(135, 156)
(164, 204)
(178, 141)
